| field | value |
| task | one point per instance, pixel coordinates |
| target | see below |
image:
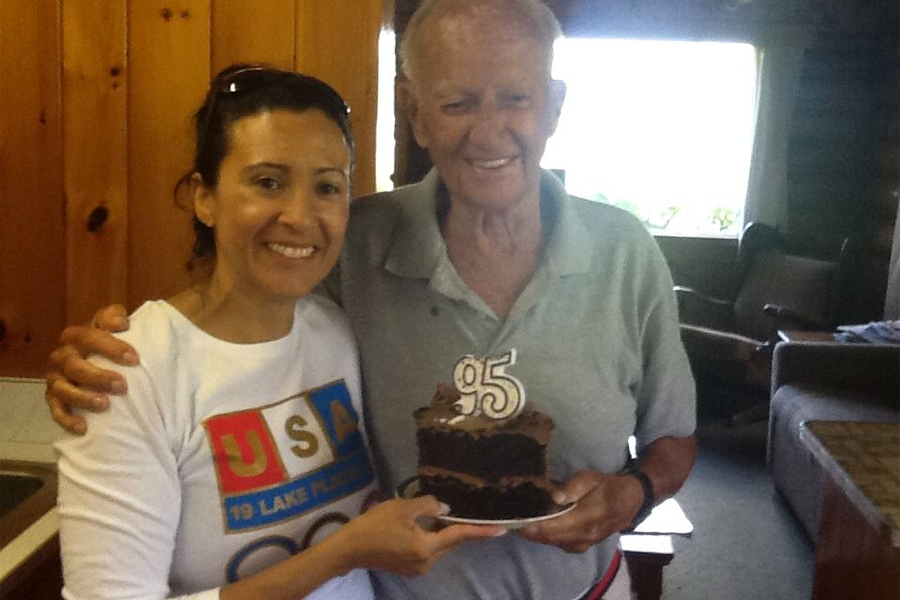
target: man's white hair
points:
(533, 13)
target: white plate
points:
(410, 489)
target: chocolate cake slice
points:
(484, 468)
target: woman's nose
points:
(297, 210)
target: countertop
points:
(28, 542)
(27, 432)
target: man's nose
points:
(489, 125)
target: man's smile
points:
(496, 163)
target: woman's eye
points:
(326, 188)
(268, 184)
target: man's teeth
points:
(492, 164)
(292, 251)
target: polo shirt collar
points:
(417, 247)
(568, 250)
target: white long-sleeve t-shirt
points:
(222, 459)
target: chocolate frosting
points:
(442, 414)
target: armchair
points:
(782, 281)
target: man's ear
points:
(204, 201)
(556, 96)
(409, 103)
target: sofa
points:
(823, 381)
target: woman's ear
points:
(204, 201)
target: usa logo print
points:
(279, 461)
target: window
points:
(663, 129)
(384, 122)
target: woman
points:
(237, 466)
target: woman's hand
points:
(606, 505)
(75, 382)
(388, 537)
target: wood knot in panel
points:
(97, 218)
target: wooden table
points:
(858, 551)
(650, 548)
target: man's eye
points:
(519, 99)
(457, 106)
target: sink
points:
(15, 488)
(27, 492)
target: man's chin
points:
(490, 189)
(496, 199)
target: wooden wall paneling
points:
(95, 150)
(886, 130)
(32, 271)
(337, 41)
(829, 157)
(886, 188)
(168, 51)
(252, 32)
(841, 154)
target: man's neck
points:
(495, 252)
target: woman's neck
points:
(221, 310)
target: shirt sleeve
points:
(667, 395)
(120, 500)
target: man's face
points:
(484, 106)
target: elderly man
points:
(486, 254)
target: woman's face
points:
(280, 209)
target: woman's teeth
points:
(491, 164)
(292, 251)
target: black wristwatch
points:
(649, 496)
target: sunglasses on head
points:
(255, 78)
(248, 79)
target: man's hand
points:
(75, 382)
(608, 503)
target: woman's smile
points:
(291, 251)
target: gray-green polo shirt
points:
(598, 348)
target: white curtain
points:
(778, 82)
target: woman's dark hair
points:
(245, 90)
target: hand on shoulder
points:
(73, 381)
